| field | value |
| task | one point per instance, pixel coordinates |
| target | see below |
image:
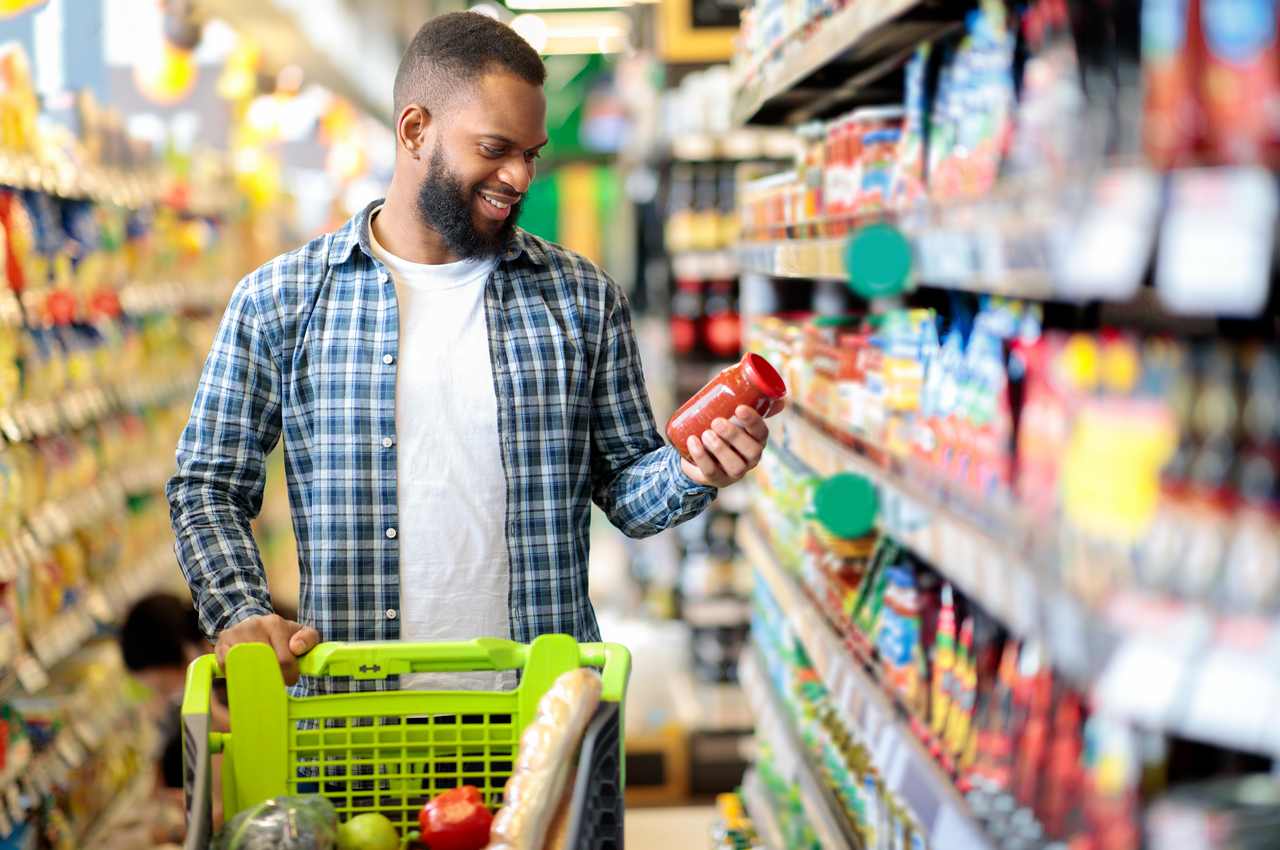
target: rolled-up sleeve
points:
(637, 480)
(217, 489)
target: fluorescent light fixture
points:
(558, 34)
(554, 5)
(551, 5)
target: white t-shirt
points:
(454, 572)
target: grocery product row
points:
(113, 266)
(932, 725)
(1106, 495)
(1012, 163)
(72, 755)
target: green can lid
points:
(841, 321)
(846, 505)
(878, 259)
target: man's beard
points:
(446, 206)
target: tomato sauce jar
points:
(752, 381)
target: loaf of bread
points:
(544, 764)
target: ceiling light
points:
(566, 33)
(532, 29)
(547, 5)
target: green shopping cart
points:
(391, 751)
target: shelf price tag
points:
(1216, 245)
(30, 674)
(70, 751)
(13, 800)
(946, 257)
(98, 607)
(1109, 245)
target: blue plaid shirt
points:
(307, 350)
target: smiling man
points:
(452, 393)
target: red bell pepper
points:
(455, 820)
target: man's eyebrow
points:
(498, 137)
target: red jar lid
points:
(764, 377)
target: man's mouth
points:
(497, 206)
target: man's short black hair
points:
(453, 51)
(157, 630)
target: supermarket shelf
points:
(103, 605)
(29, 420)
(1094, 238)
(905, 764)
(992, 564)
(850, 51)
(742, 145)
(823, 811)
(55, 520)
(67, 179)
(721, 264)
(124, 807)
(1159, 663)
(761, 810)
(818, 259)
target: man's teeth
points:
(499, 204)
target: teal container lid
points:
(878, 260)
(846, 505)
(839, 321)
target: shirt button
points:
(388, 359)
(391, 614)
(387, 442)
(382, 276)
(391, 534)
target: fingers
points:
(220, 650)
(303, 640)
(748, 446)
(751, 422)
(706, 463)
(733, 464)
(279, 640)
(286, 638)
(693, 473)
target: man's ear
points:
(411, 129)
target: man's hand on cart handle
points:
(287, 638)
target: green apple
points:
(369, 831)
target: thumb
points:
(303, 640)
(693, 473)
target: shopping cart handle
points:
(614, 661)
(380, 659)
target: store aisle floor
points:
(660, 829)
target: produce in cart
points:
(306, 822)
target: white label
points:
(1234, 700)
(1217, 241)
(69, 750)
(1142, 682)
(30, 674)
(946, 257)
(1109, 250)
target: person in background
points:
(159, 638)
(451, 391)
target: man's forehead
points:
(506, 105)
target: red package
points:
(1170, 46)
(1240, 86)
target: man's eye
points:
(531, 156)
(491, 151)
